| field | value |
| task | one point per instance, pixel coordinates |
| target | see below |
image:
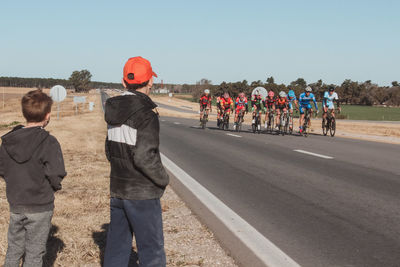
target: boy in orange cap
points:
(138, 178)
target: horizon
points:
(225, 41)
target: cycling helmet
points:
(282, 94)
(331, 88)
(308, 89)
(291, 93)
(206, 91)
(271, 94)
(226, 95)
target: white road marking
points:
(313, 154)
(177, 123)
(162, 120)
(233, 135)
(263, 248)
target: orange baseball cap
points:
(138, 70)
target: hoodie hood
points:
(120, 108)
(21, 143)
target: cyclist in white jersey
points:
(330, 96)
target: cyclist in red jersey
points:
(241, 106)
(281, 105)
(205, 103)
(226, 104)
(269, 105)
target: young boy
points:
(32, 166)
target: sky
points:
(189, 40)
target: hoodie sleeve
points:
(1, 161)
(147, 155)
(54, 164)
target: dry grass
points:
(82, 207)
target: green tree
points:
(80, 80)
(395, 83)
(270, 80)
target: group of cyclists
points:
(283, 103)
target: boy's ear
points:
(123, 83)
(47, 118)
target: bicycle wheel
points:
(226, 123)
(325, 127)
(290, 119)
(285, 128)
(333, 127)
(258, 123)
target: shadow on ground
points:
(54, 246)
(100, 240)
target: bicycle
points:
(290, 125)
(329, 124)
(224, 125)
(283, 123)
(238, 124)
(256, 125)
(270, 123)
(307, 118)
(204, 119)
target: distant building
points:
(161, 91)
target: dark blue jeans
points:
(144, 219)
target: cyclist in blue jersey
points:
(292, 100)
(305, 103)
(330, 96)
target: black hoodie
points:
(32, 165)
(132, 147)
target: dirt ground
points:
(82, 207)
(380, 132)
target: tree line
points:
(79, 80)
(350, 92)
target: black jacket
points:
(32, 165)
(132, 147)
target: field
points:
(81, 215)
(355, 112)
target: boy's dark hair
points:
(36, 105)
(134, 87)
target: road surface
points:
(323, 201)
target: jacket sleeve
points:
(1, 162)
(107, 149)
(54, 164)
(147, 155)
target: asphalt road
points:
(337, 207)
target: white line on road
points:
(162, 120)
(263, 248)
(313, 154)
(177, 123)
(233, 135)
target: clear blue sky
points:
(219, 40)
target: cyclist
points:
(304, 103)
(257, 104)
(292, 99)
(281, 105)
(327, 103)
(219, 109)
(226, 105)
(269, 106)
(205, 103)
(241, 107)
